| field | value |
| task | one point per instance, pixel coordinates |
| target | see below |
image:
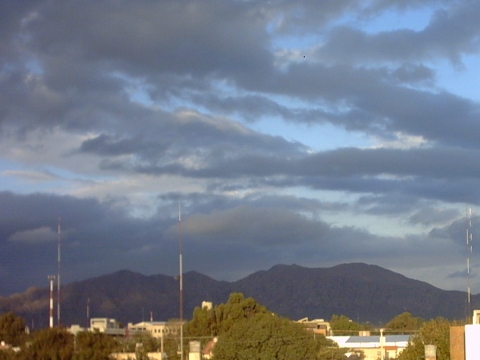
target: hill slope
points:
(359, 291)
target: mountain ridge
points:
(365, 293)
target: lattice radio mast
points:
(58, 270)
(51, 279)
(469, 239)
(180, 278)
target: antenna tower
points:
(469, 238)
(51, 279)
(180, 278)
(58, 270)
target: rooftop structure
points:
(317, 326)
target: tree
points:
(171, 347)
(433, 332)
(237, 308)
(404, 323)
(265, 337)
(201, 323)
(8, 354)
(328, 349)
(48, 344)
(94, 346)
(222, 317)
(12, 329)
(342, 325)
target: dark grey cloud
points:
(406, 172)
(96, 238)
(124, 242)
(162, 94)
(100, 237)
(450, 34)
(186, 38)
(87, 73)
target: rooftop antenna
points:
(180, 277)
(58, 270)
(469, 238)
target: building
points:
(158, 329)
(374, 347)
(207, 305)
(464, 344)
(207, 351)
(317, 326)
(107, 326)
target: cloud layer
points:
(303, 132)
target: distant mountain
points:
(359, 291)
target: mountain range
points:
(364, 293)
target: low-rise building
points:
(317, 326)
(108, 326)
(464, 344)
(374, 347)
(156, 329)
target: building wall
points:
(457, 343)
(157, 329)
(133, 356)
(472, 345)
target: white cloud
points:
(38, 235)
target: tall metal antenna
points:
(58, 270)
(469, 239)
(51, 279)
(88, 312)
(180, 277)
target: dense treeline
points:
(244, 328)
(59, 344)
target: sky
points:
(303, 132)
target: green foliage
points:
(265, 337)
(433, 332)
(202, 323)
(237, 308)
(171, 347)
(222, 317)
(8, 354)
(12, 329)
(342, 325)
(149, 343)
(328, 349)
(94, 346)
(49, 344)
(404, 323)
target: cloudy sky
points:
(306, 132)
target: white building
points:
(158, 329)
(374, 347)
(472, 337)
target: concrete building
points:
(158, 329)
(317, 326)
(108, 326)
(465, 340)
(457, 343)
(207, 305)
